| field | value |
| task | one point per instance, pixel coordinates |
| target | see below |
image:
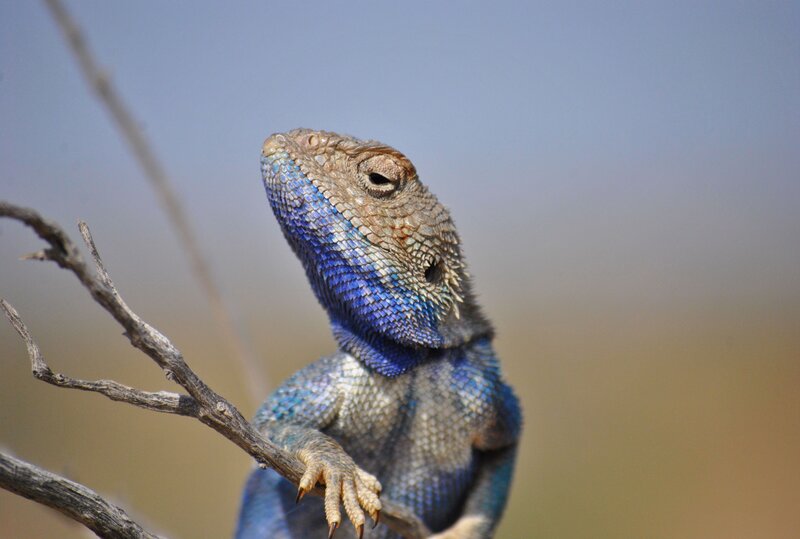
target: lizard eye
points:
(378, 179)
(380, 176)
(380, 186)
(435, 271)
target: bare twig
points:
(71, 498)
(205, 404)
(100, 82)
(161, 401)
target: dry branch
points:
(160, 401)
(73, 499)
(201, 402)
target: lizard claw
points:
(345, 484)
(332, 529)
(300, 493)
(376, 517)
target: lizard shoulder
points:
(312, 394)
(487, 400)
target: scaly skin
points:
(412, 406)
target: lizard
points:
(413, 405)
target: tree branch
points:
(201, 402)
(70, 498)
(161, 401)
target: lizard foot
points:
(345, 484)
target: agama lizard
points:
(412, 406)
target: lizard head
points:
(380, 251)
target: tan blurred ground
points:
(658, 423)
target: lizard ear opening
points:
(435, 271)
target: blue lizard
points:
(413, 406)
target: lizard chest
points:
(427, 418)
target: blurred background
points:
(625, 178)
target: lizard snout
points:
(274, 144)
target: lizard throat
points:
(385, 357)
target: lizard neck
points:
(390, 358)
(385, 357)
